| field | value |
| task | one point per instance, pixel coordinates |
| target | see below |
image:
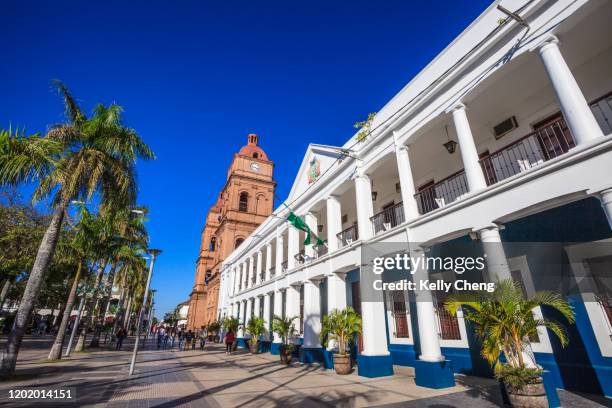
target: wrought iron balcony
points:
(320, 251)
(348, 235)
(284, 266)
(442, 193)
(388, 218)
(272, 271)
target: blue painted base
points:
(275, 348)
(434, 374)
(311, 355)
(551, 389)
(241, 342)
(328, 359)
(402, 354)
(374, 366)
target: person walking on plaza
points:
(121, 335)
(172, 336)
(161, 332)
(202, 340)
(181, 339)
(229, 341)
(188, 339)
(193, 340)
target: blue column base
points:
(275, 348)
(550, 387)
(374, 366)
(242, 342)
(309, 355)
(435, 375)
(328, 359)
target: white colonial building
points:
(503, 137)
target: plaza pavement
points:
(210, 378)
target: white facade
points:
(401, 184)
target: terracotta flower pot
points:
(342, 363)
(529, 396)
(254, 347)
(285, 355)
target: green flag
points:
(299, 223)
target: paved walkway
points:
(213, 379)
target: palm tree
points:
(504, 319)
(341, 326)
(75, 160)
(256, 328)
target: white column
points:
(497, 263)
(334, 222)
(249, 312)
(259, 268)
(576, 111)
(266, 315)
(268, 261)
(426, 315)
(365, 208)
(292, 301)
(278, 311)
(336, 292)
(311, 220)
(373, 325)
(606, 202)
(256, 306)
(237, 279)
(411, 210)
(243, 285)
(279, 253)
(293, 246)
(469, 154)
(251, 271)
(241, 319)
(312, 314)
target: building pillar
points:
(248, 315)
(497, 263)
(311, 220)
(334, 222)
(469, 154)
(241, 319)
(365, 208)
(278, 311)
(279, 253)
(431, 369)
(293, 246)
(576, 110)
(292, 301)
(266, 316)
(606, 202)
(259, 268)
(411, 210)
(243, 285)
(311, 350)
(237, 279)
(268, 261)
(251, 278)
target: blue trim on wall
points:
(374, 366)
(309, 355)
(242, 342)
(403, 354)
(275, 348)
(434, 374)
(460, 359)
(551, 389)
(548, 363)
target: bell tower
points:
(245, 201)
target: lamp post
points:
(154, 253)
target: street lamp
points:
(154, 253)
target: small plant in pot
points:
(213, 328)
(283, 326)
(256, 328)
(505, 322)
(338, 330)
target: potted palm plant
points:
(213, 330)
(255, 327)
(340, 327)
(283, 326)
(505, 322)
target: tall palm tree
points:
(75, 160)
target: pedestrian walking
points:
(188, 340)
(202, 340)
(230, 338)
(181, 339)
(121, 335)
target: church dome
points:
(251, 149)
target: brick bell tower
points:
(245, 201)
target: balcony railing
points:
(272, 271)
(442, 193)
(300, 257)
(320, 251)
(348, 235)
(388, 218)
(529, 151)
(284, 266)
(602, 110)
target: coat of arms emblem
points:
(314, 170)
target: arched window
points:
(243, 204)
(213, 241)
(238, 242)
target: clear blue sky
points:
(195, 77)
